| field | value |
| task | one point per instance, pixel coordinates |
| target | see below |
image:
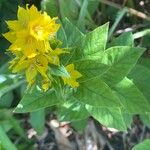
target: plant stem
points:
(141, 33)
(118, 19)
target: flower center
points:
(29, 40)
(38, 30)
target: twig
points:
(130, 10)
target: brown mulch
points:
(62, 136)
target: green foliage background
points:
(115, 83)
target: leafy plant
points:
(113, 87)
(106, 90)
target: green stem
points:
(141, 33)
(118, 19)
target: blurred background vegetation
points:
(123, 16)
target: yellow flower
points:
(35, 65)
(31, 66)
(53, 56)
(30, 37)
(43, 27)
(74, 75)
(31, 32)
(28, 44)
(46, 83)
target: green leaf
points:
(145, 62)
(1, 148)
(145, 119)
(140, 75)
(69, 33)
(38, 124)
(5, 141)
(79, 125)
(51, 7)
(4, 68)
(96, 93)
(84, 46)
(70, 10)
(145, 145)
(92, 6)
(8, 10)
(7, 87)
(90, 68)
(59, 8)
(127, 119)
(125, 39)
(118, 17)
(36, 100)
(6, 125)
(16, 126)
(6, 100)
(72, 110)
(5, 114)
(82, 15)
(59, 71)
(93, 42)
(110, 117)
(130, 96)
(120, 59)
(145, 40)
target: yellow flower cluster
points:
(29, 36)
(74, 74)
